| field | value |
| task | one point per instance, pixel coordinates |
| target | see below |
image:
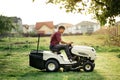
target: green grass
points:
(14, 60)
(16, 67)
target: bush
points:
(118, 55)
(114, 50)
(112, 35)
(106, 49)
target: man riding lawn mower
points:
(79, 57)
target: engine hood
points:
(82, 47)
(83, 50)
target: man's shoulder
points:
(57, 33)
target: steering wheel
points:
(70, 45)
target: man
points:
(56, 40)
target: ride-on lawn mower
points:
(52, 61)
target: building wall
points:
(74, 29)
(84, 28)
(46, 30)
(17, 22)
(31, 28)
(96, 27)
(25, 30)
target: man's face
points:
(61, 31)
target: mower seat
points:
(56, 51)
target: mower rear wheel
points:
(52, 66)
(88, 66)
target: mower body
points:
(51, 61)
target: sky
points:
(38, 11)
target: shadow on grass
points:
(3, 66)
(71, 75)
(118, 55)
(21, 48)
(2, 40)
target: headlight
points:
(93, 50)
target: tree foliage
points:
(104, 11)
(5, 24)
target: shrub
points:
(118, 55)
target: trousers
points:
(59, 47)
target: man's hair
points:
(61, 27)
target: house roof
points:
(87, 23)
(64, 24)
(49, 24)
(26, 26)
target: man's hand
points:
(70, 43)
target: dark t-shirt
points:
(55, 39)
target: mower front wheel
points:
(52, 66)
(88, 66)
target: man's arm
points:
(63, 42)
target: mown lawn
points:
(14, 60)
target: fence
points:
(114, 36)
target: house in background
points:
(74, 30)
(88, 27)
(28, 28)
(84, 27)
(32, 28)
(46, 28)
(17, 22)
(25, 28)
(66, 25)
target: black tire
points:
(88, 66)
(52, 66)
(66, 70)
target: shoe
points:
(70, 60)
(73, 58)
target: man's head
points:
(61, 29)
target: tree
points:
(5, 24)
(104, 11)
